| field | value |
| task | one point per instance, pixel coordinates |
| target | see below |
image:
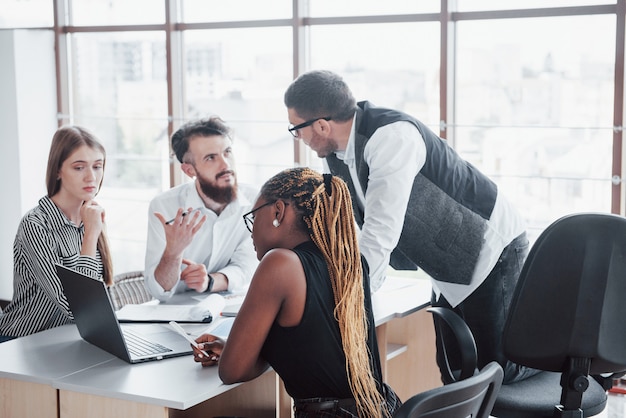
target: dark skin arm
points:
(277, 292)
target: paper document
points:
(233, 303)
(221, 328)
(204, 311)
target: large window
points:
(119, 91)
(115, 12)
(529, 92)
(240, 75)
(390, 64)
(195, 11)
(534, 110)
(331, 8)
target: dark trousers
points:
(344, 408)
(485, 312)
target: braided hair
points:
(324, 209)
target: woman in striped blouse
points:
(66, 227)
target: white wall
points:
(27, 123)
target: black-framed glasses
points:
(248, 218)
(293, 130)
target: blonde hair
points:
(324, 203)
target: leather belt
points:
(323, 404)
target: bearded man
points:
(196, 237)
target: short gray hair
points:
(320, 93)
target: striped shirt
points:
(44, 237)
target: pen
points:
(173, 219)
(184, 334)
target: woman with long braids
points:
(308, 310)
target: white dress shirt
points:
(395, 154)
(223, 244)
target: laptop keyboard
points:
(139, 346)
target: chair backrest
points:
(129, 288)
(569, 300)
(473, 397)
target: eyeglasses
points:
(248, 218)
(293, 130)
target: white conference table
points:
(399, 297)
(29, 367)
(74, 379)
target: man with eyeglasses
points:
(419, 205)
(196, 238)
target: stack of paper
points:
(204, 311)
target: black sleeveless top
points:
(309, 357)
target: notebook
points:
(97, 324)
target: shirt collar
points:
(348, 155)
(194, 200)
(52, 211)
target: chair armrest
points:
(465, 341)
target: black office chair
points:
(568, 319)
(472, 397)
(472, 392)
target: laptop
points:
(97, 324)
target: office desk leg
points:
(27, 400)
(80, 405)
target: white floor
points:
(616, 407)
